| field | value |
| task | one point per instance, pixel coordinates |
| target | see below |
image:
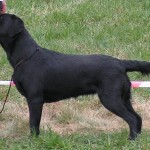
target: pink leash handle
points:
(7, 83)
(138, 84)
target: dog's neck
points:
(18, 47)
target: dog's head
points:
(10, 25)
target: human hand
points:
(3, 7)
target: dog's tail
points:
(139, 66)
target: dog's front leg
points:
(35, 112)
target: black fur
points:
(47, 76)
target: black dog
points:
(45, 76)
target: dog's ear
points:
(16, 27)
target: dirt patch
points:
(67, 117)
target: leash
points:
(16, 66)
(7, 94)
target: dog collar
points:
(25, 59)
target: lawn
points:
(118, 28)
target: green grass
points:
(120, 28)
(86, 140)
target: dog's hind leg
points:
(113, 102)
(35, 111)
(128, 105)
(126, 96)
(139, 119)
